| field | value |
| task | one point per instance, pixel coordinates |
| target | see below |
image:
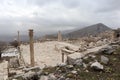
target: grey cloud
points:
(71, 3)
(40, 2)
(108, 5)
(12, 25)
(64, 14)
(65, 3)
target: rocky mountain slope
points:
(89, 30)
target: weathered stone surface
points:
(52, 77)
(14, 79)
(3, 70)
(68, 46)
(92, 56)
(18, 76)
(91, 45)
(10, 52)
(35, 69)
(97, 66)
(67, 79)
(69, 66)
(99, 43)
(71, 59)
(27, 76)
(107, 50)
(78, 62)
(94, 50)
(84, 65)
(61, 78)
(61, 65)
(74, 72)
(67, 51)
(14, 63)
(104, 60)
(44, 78)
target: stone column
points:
(59, 36)
(18, 38)
(31, 47)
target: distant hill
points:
(10, 38)
(89, 30)
(75, 33)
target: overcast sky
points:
(54, 15)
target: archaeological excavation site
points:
(80, 55)
(59, 39)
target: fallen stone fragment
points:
(91, 45)
(61, 65)
(84, 65)
(99, 43)
(35, 69)
(104, 60)
(74, 72)
(44, 78)
(14, 79)
(86, 71)
(67, 51)
(92, 56)
(29, 75)
(107, 50)
(18, 76)
(62, 45)
(69, 66)
(52, 77)
(71, 59)
(78, 62)
(96, 66)
(61, 78)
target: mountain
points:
(75, 33)
(10, 38)
(93, 30)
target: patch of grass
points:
(48, 70)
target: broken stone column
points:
(59, 36)
(31, 48)
(62, 56)
(18, 38)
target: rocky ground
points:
(101, 65)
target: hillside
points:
(89, 30)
